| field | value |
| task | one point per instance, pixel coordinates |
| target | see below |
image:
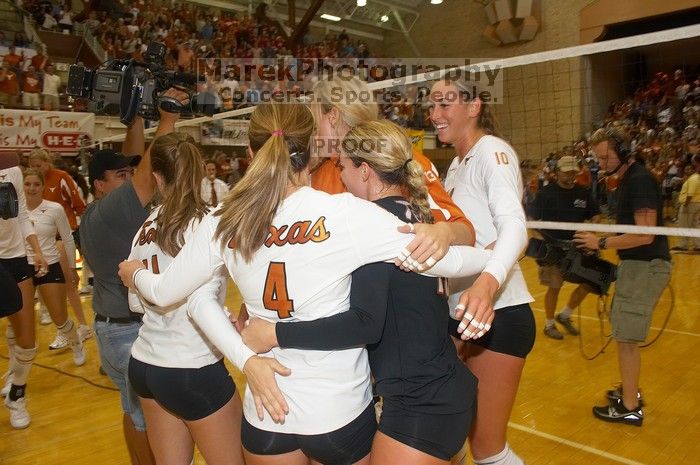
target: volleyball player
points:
(186, 392)
(484, 181)
(291, 249)
(50, 220)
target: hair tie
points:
(405, 164)
(278, 132)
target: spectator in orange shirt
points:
(9, 87)
(583, 177)
(59, 186)
(13, 59)
(40, 61)
(31, 86)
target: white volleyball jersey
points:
(14, 231)
(49, 219)
(487, 186)
(169, 337)
(302, 272)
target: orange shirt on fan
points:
(583, 178)
(60, 187)
(327, 178)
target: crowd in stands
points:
(197, 40)
(661, 119)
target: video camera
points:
(128, 87)
(576, 267)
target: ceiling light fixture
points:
(361, 2)
(435, 2)
(330, 17)
(384, 18)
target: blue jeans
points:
(114, 341)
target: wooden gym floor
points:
(76, 418)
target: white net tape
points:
(614, 228)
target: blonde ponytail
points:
(279, 136)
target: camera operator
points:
(562, 200)
(643, 272)
(107, 229)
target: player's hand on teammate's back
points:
(428, 247)
(127, 270)
(260, 374)
(259, 335)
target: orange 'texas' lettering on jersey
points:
(300, 232)
(146, 236)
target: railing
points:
(90, 40)
(30, 31)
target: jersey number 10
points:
(275, 296)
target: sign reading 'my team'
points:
(56, 131)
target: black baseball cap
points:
(108, 159)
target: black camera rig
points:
(129, 87)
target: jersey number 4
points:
(275, 296)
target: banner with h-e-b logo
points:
(57, 131)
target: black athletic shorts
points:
(18, 267)
(512, 331)
(189, 393)
(343, 446)
(11, 301)
(54, 275)
(441, 436)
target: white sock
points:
(505, 457)
(11, 343)
(24, 358)
(548, 323)
(566, 312)
(68, 330)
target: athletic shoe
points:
(616, 412)
(567, 324)
(61, 342)
(84, 332)
(44, 317)
(553, 332)
(8, 384)
(19, 417)
(615, 394)
(78, 354)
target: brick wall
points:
(542, 103)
